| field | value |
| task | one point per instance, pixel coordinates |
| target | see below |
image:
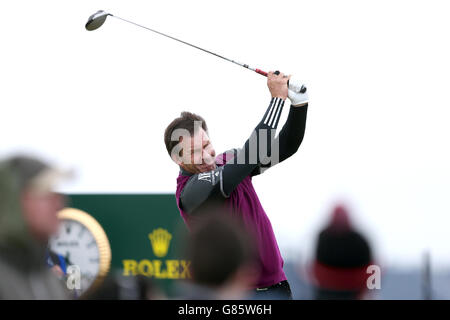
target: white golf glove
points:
(294, 94)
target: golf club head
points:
(96, 20)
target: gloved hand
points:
(294, 92)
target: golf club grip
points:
(302, 89)
(261, 72)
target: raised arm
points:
(223, 180)
(291, 135)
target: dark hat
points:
(342, 255)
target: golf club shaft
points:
(194, 46)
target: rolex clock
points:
(83, 243)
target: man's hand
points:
(278, 85)
(297, 98)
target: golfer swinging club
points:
(227, 179)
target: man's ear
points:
(176, 159)
(177, 152)
(179, 163)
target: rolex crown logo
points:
(160, 240)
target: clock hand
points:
(67, 257)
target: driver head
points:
(96, 20)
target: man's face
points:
(198, 153)
(40, 212)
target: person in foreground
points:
(206, 182)
(28, 218)
(342, 260)
(222, 261)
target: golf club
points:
(96, 20)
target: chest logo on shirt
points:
(205, 176)
(210, 177)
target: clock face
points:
(78, 246)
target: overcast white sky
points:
(377, 131)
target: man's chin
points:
(206, 168)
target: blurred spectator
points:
(341, 260)
(222, 260)
(28, 217)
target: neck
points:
(185, 171)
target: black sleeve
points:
(223, 180)
(289, 138)
(255, 151)
(199, 188)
